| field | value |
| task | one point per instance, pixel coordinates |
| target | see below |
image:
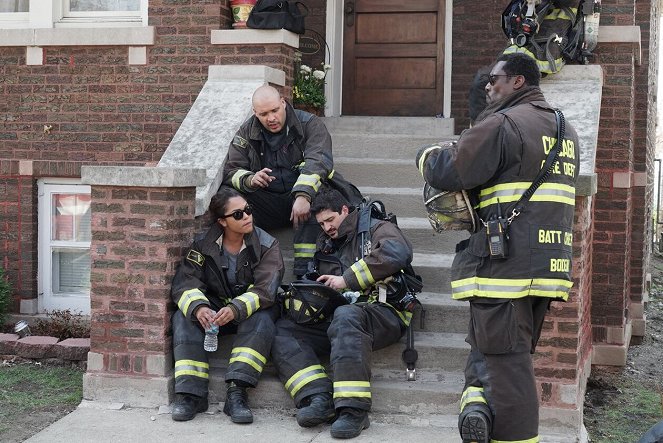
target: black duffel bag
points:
(277, 14)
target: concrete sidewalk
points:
(102, 422)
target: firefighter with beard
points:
(355, 330)
(511, 280)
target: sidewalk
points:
(102, 422)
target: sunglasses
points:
(492, 78)
(238, 214)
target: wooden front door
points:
(393, 57)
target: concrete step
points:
(432, 393)
(443, 314)
(381, 145)
(387, 172)
(405, 202)
(421, 126)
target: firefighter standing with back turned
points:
(497, 160)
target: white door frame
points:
(334, 37)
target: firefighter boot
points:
(237, 404)
(319, 408)
(186, 406)
(474, 424)
(350, 423)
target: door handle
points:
(349, 13)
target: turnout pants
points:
(499, 376)
(353, 333)
(248, 357)
(272, 211)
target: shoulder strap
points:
(545, 171)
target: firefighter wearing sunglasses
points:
(228, 277)
(509, 288)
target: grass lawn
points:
(35, 395)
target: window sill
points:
(254, 37)
(87, 36)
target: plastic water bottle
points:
(211, 342)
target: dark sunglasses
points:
(492, 78)
(238, 214)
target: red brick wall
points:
(138, 235)
(104, 111)
(478, 40)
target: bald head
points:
(269, 108)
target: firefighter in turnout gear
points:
(355, 330)
(278, 160)
(511, 279)
(228, 277)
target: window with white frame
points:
(64, 13)
(64, 247)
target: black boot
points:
(350, 423)
(237, 404)
(474, 424)
(317, 409)
(186, 406)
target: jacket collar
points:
(348, 227)
(527, 94)
(211, 245)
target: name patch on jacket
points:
(240, 142)
(195, 257)
(551, 237)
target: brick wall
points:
(103, 111)
(138, 235)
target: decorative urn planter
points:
(241, 10)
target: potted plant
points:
(308, 91)
(241, 10)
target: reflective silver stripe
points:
(345, 389)
(191, 367)
(304, 249)
(251, 301)
(363, 274)
(238, 176)
(311, 180)
(511, 192)
(424, 156)
(189, 296)
(472, 394)
(303, 377)
(249, 356)
(510, 288)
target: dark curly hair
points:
(521, 64)
(330, 199)
(217, 206)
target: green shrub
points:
(5, 297)
(62, 324)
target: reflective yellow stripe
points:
(303, 377)
(249, 356)
(510, 288)
(311, 180)
(251, 301)
(304, 249)
(331, 174)
(529, 440)
(424, 156)
(191, 367)
(189, 296)
(363, 274)
(238, 177)
(561, 14)
(511, 192)
(473, 394)
(405, 316)
(544, 65)
(345, 389)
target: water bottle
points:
(211, 342)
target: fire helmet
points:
(309, 302)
